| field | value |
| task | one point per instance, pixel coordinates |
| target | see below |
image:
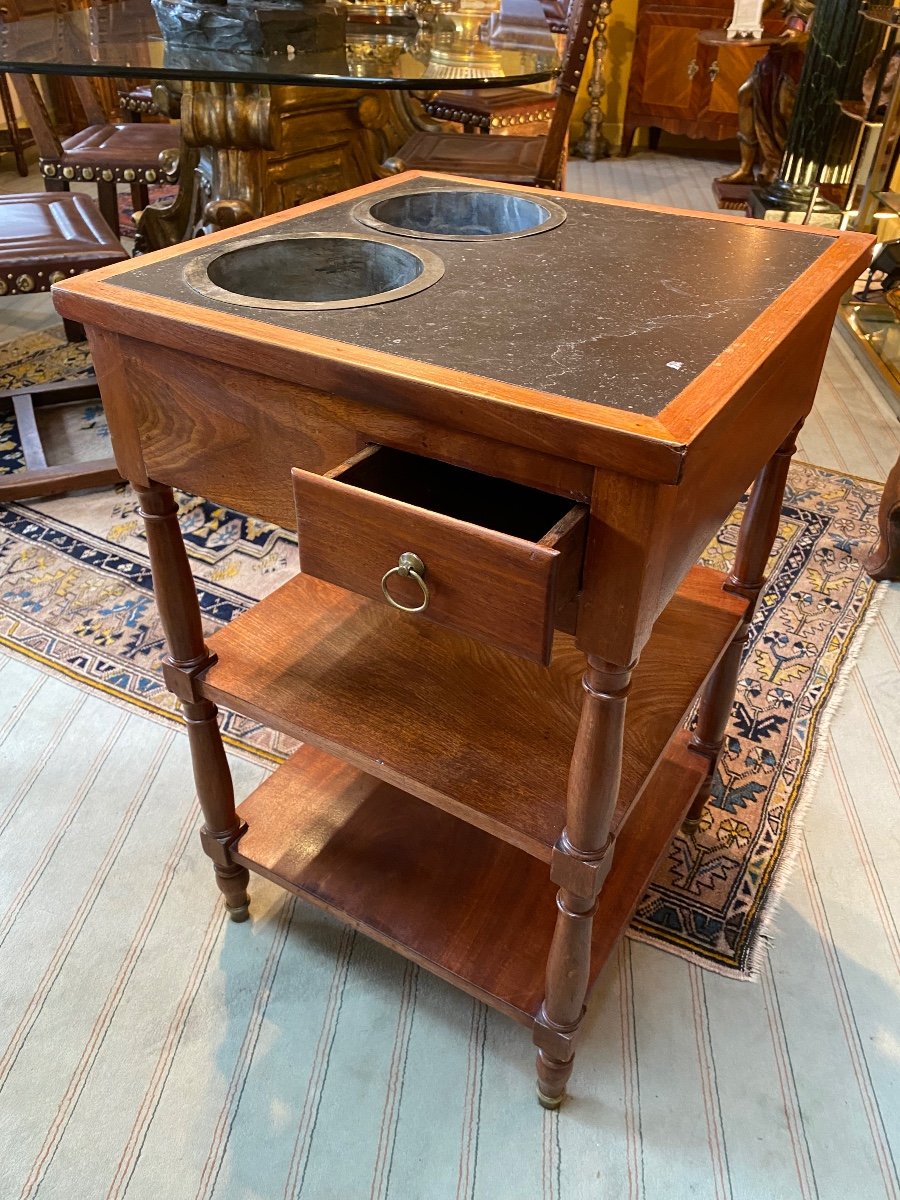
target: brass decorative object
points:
(593, 143)
(460, 46)
(410, 566)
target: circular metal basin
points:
(312, 271)
(459, 214)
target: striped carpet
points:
(148, 1049)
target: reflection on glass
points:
(462, 44)
(396, 43)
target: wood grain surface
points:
(484, 577)
(467, 907)
(483, 734)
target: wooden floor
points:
(147, 1048)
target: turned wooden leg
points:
(176, 599)
(580, 863)
(748, 576)
(884, 560)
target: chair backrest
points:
(39, 120)
(30, 97)
(582, 19)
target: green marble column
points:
(821, 139)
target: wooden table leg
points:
(580, 863)
(176, 599)
(748, 576)
(884, 560)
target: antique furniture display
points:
(104, 154)
(45, 238)
(680, 82)
(265, 129)
(536, 160)
(488, 778)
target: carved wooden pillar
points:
(176, 599)
(759, 528)
(581, 861)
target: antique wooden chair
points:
(536, 160)
(102, 153)
(14, 139)
(502, 110)
(45, 238)
(137, 102)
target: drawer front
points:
(484, 583)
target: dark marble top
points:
(616, 306)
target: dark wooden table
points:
(487, 786)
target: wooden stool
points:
(47, 237)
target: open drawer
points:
(492, 559)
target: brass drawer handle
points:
(410, 566)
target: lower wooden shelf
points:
(468, 907)
(471, 729)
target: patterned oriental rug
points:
(75, 597)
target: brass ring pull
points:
(410, 566)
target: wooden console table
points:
(488, 785)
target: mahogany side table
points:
(489, 778)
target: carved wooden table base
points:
(253, 149)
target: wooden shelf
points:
(471, 909)
(481, 734)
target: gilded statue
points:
(766, 99)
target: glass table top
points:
(388, 43)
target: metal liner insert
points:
(459, 214)
(309, 271)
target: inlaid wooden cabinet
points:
(677, 82)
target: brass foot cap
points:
(550, 1102)
(690, 825)
(239, 914)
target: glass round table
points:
(279, 103)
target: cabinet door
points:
(726, 68)
(671, 68)
(665, 86)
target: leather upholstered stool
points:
(46, 237)
(104, 154)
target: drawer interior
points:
(438, 487)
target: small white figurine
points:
(747, 19)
